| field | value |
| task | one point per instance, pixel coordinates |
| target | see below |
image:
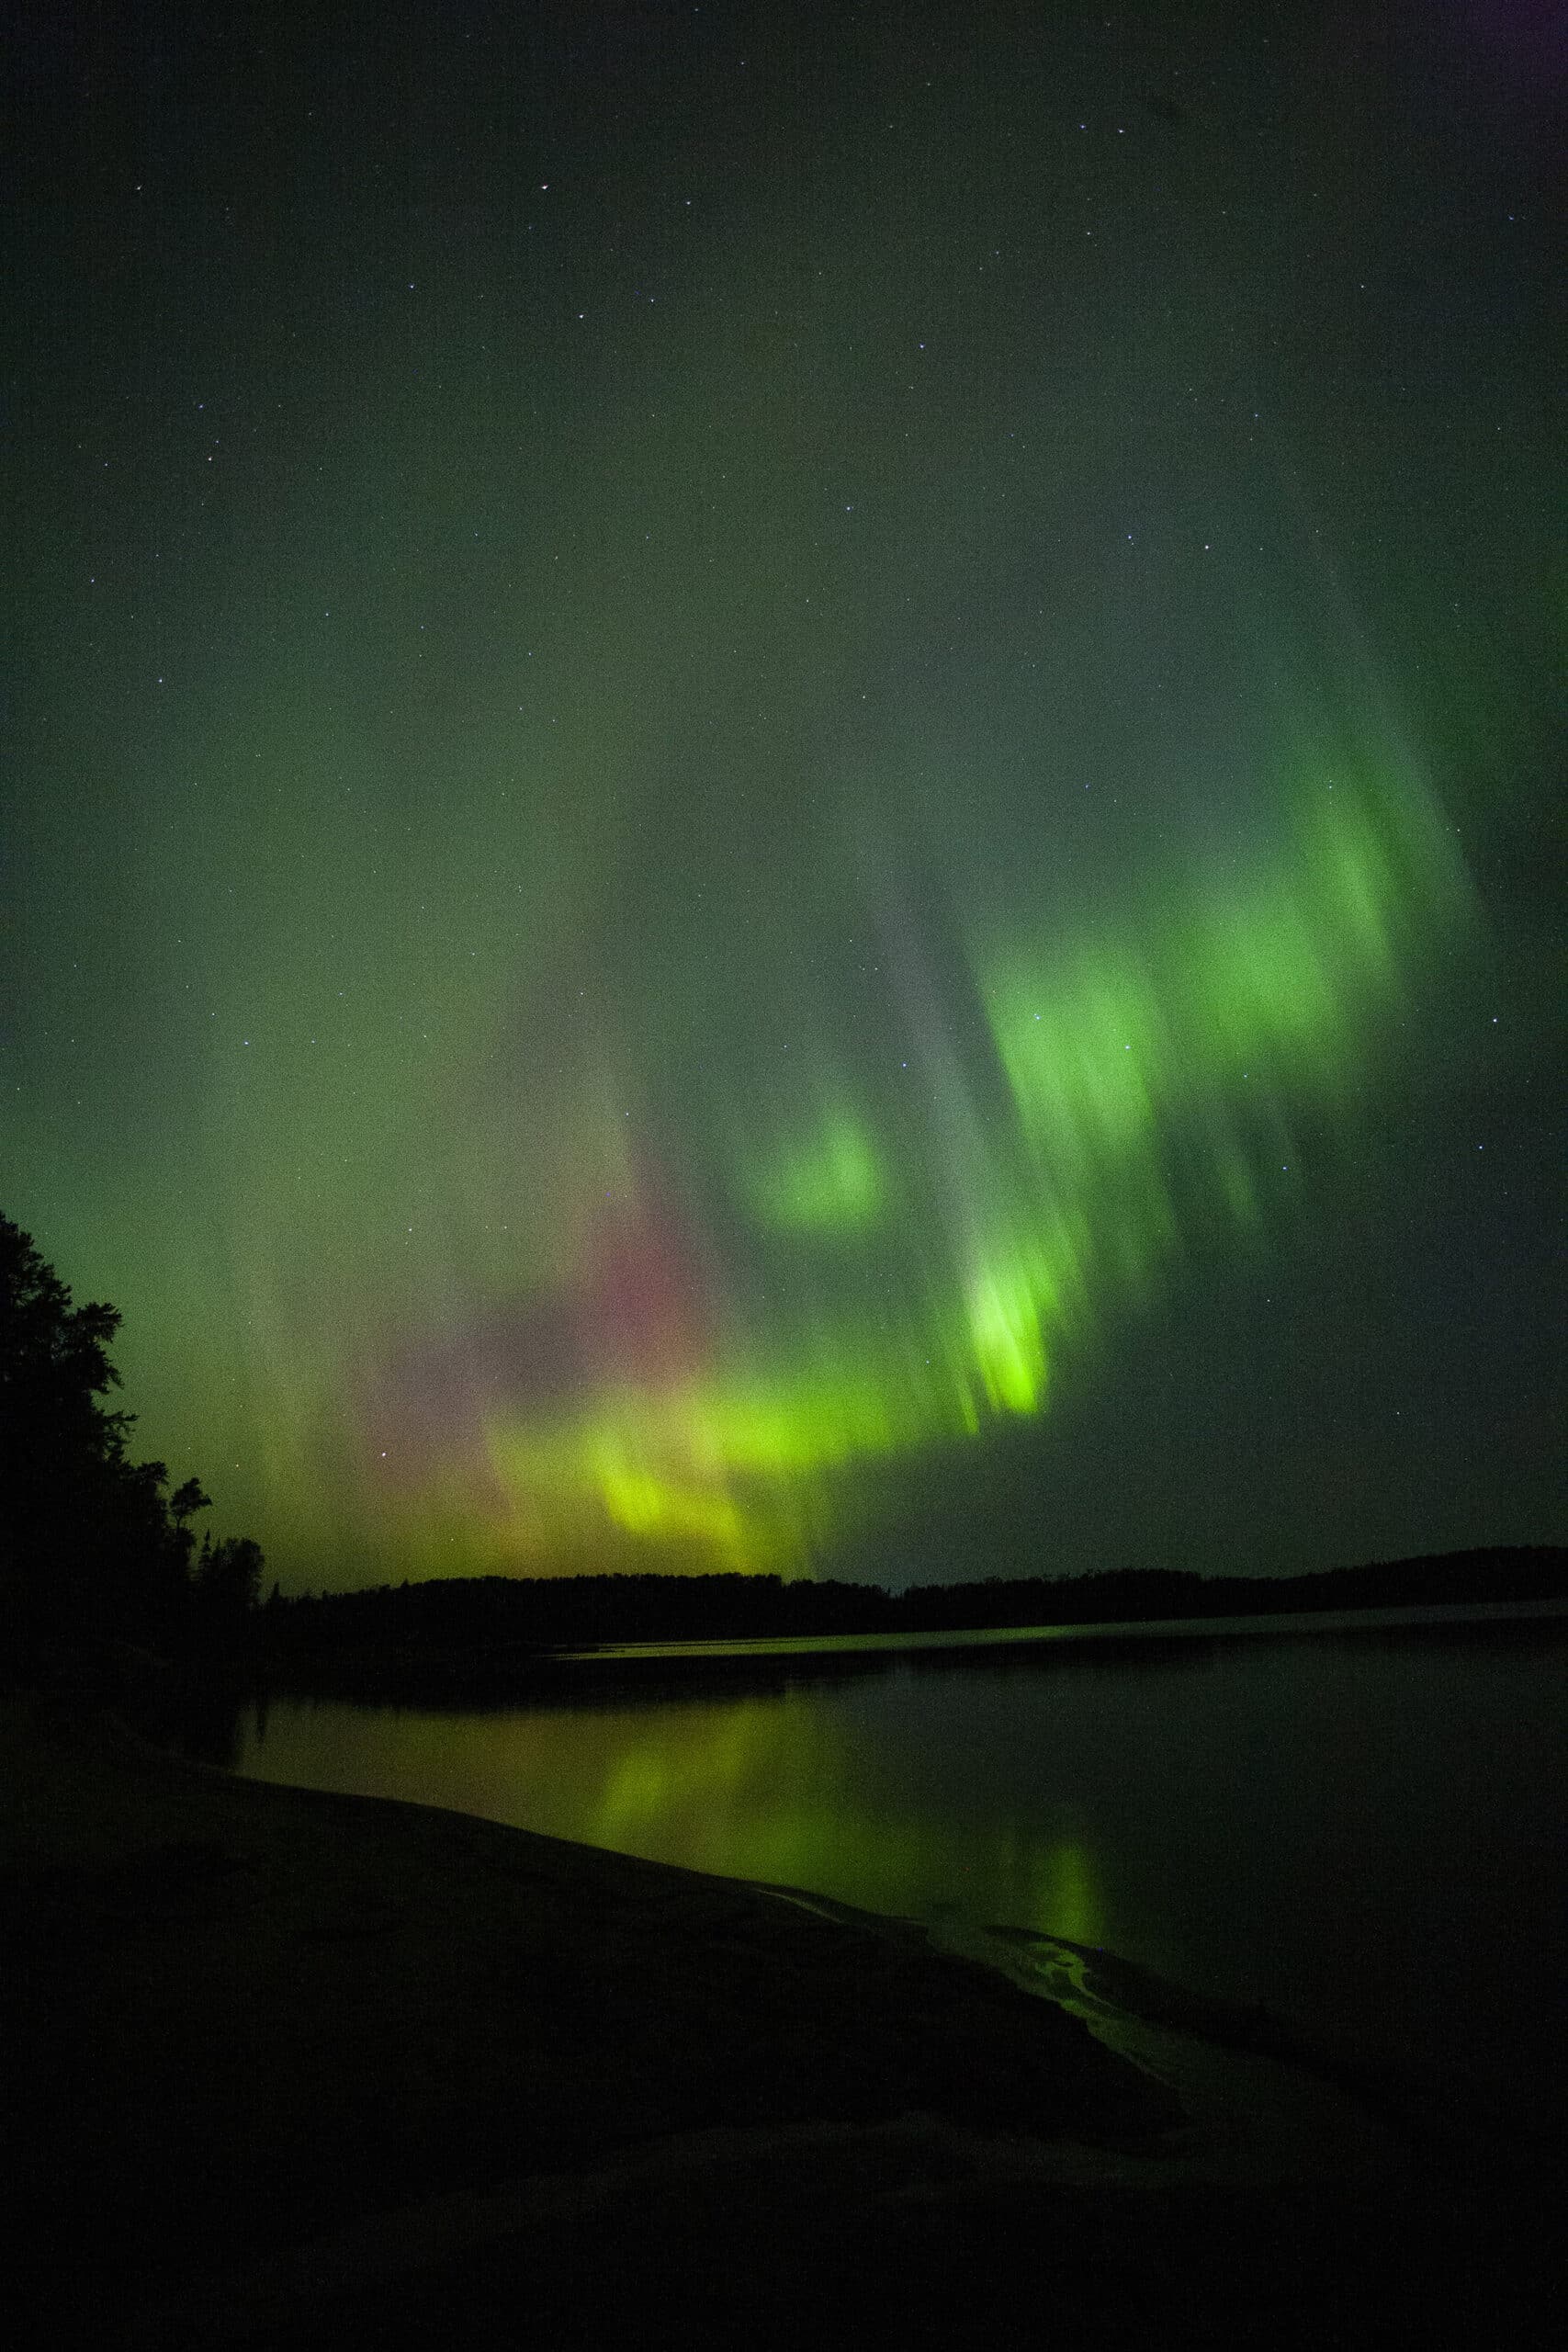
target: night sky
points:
(780, 784)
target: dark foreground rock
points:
(304, 2069)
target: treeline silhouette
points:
(521, 1618)
(95, 1548)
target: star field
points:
(780, 784)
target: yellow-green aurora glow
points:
(933, 1256)
(775, 773)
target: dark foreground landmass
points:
(302, 2069)
(493, 1633)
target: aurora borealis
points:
(779, 782)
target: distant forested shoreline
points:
(504, 1622)
(101, 1557)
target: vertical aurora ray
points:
(895, 1274)
(707, 819)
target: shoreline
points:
(469, 1674)
(269, 2031)
(1258, 1624)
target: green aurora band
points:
(783, 791)
(878, 1274)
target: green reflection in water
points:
(781, 1789)
(1065, 1893)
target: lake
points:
(1359, 1825)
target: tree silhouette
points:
(228, 1583)
(95, 1546)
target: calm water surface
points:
(1364, 1830)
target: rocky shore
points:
(309, 2069)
